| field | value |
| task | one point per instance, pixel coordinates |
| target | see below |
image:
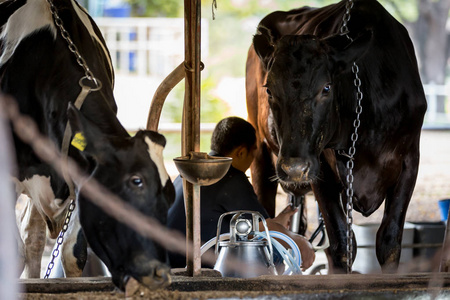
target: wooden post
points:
(191, 127)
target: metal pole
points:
(191, 127)
(160, 96)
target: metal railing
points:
(153, 47)
(147, 46)
(435, 116)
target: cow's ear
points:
(88, 138)
(264, 45)
(344, 51)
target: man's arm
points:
(306, 249)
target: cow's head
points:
(302, 96)
(131, 168)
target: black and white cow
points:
(42, 74)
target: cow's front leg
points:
(389, 235)
(32, 230)
(327, 193)
(74, 248)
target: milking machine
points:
(248, 252)
(299, 203)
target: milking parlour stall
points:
(335, 96)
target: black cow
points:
(301, 97)
(42, 74)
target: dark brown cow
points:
(301, 98)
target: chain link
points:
(354, 138)
(346, 19)
(350, 165)
(60, 238)
(73, 48)
(97, 86)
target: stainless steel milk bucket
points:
(242, 256)
(253, 259)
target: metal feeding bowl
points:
(201, 169)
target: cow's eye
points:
(269, 92)
(136, 181)
(326, 89)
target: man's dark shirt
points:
(232, 192)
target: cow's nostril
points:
(295, 169)
(304, 167)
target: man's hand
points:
(284, 217)
(306, 249)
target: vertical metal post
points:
(191, 127)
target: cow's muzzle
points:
(159, 279)
(294, 170)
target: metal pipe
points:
(296, 202)
(191, 127)
(161, 94)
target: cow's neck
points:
(85, 90)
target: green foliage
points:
(229, 38)
(248, 8)
(156, 8)
(173, 144)
(402, 10)
(173, 106)
(212, 109)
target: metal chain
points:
(352, 150)
(97, 86)
(346, 19)
(60, 238)
(73, 48)
(350, 166)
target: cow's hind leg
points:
(389, 235)
(263, 178)
(32, 230)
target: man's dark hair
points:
(230, 133)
